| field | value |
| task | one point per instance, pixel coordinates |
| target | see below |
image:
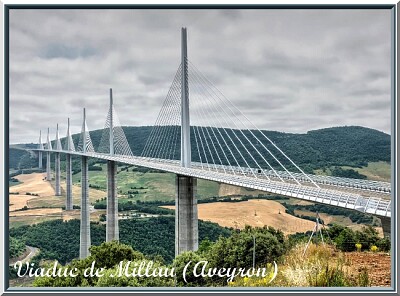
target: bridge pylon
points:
(57, 164)
(186, 216)
(112, 229)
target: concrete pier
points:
(186, 217)
(40, 160)
(48, 166)
(68, 203)
(58, 174)
(40, 154)
(85, 211)
(386, 226)
(112, 230)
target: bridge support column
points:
(48, 167)
(186, 218)
(58, 174)
(112, 230)
(68, 203)
(40, 156)
(386, 226)
(85, 213)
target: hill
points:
(351, 146)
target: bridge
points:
(212, 140)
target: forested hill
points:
(337, 146)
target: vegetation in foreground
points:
(322, 264)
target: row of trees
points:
(155, 237)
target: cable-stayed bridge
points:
(200, 134)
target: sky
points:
(287, 70)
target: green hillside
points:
(350, 146)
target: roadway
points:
(370, 200)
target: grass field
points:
(377, 171)
(29, 220)
(156, 186)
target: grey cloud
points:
(58, 50)
(286, 70)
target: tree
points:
(190, 258)
(346, 240)
(237, 250)
(111, 253)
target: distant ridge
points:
(336, 146)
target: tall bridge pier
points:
(386, 226)
(186, 221)
(85, 211)
(40, 154)
(57, 174)
(186, 216)
(112, 230)
(48, 166)
(68, 166)
(48, 157)
(40, 160)
(57, 164)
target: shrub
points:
(363, 278)
(345, 240)
(383, 244)
(374, 249)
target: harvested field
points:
(226, 190)
(33, 183)
(59, 201)
(37, 212)
(256, 212)
(19, 201)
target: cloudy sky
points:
(287, 70)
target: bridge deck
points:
(361, 195)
